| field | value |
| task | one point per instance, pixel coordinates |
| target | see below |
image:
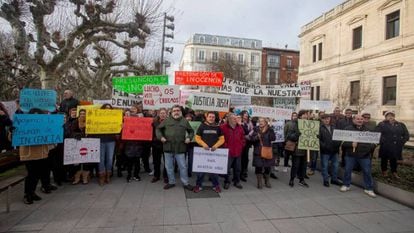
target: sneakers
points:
(370, 193)
(285, 169)
(303, 183)
(226, 185)
(136, 178)
(168, 186)
(188, 187)
(151, 173)
(238, 185)
(326, 183)
(46, 190)
(344, 188)
(28, 199)
(197, 189)
(217, 189)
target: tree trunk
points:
(47, 80)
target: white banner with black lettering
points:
(210, 161)
(356, 136)
(122, 99)
(259, 111)
(208, 102)
(86, 150)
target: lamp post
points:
(170, 26)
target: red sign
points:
(83, 151)
(137, 128)
(199, 78)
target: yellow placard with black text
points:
(103, 121)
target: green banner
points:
(134, 84)
(308, 139)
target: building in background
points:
(279, 66)
(361, 55)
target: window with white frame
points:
(201, 55)
(202, 40)
(227, 56)
(273, 60)
(214, 56)
(254, 60)
(272, 76)
(241, 58)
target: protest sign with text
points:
(259, 111)
(210, 161)
(356, 136)
(37, 129)
(134, 84)
(87, 107)
(278, 128)
(37, 98)
(240, 100)
(185, 94)
(199, 78)
(122, 99)
(308, 139)
(208, 102)
(156, 97)
(320, 105)
(86, 150)
(137, 128)
(11, 108)
(305, 88)
(103, 121)
(102, 102)
(287, 103)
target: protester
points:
(342, 124)
(370, 124)
(157, 148)
(357, 152)
(394, 135)
(68, 102)
(210, 137)
(329, 151)
(262, 136)
(234, 141)
(190, 146)
(248, 129)
(336, 116)
(5, 123)
(288, 127)
(172, 133)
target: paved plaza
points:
(147, 208)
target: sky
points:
(275, 22)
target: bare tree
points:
(358, 100)
(231, 68)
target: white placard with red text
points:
(160, 96)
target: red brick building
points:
(279, 66)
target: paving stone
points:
(176, 216)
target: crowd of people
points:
(173, 143)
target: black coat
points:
(363, 150)
(4, 141)
(393, 138)
(267, 138)
(326, 144)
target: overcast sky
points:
(275, 22)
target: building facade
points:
(279, 66)
(203, 52)
(361, 55)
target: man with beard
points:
(172, 133)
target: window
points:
(320, 51)
(312, 93)
(228, 41)
(289, 77)
(254, 44)
(255, 76)
(215, 40)
(214, 56)
(273, 60)
(355, 92)
(357, 38)
(318, 93)
(202, 40)
(393, 25)
(390, 90)
(314, 53)
(289, 63)
(241, 59)
(201, 55)
(228, 56)
(240, 75)
(254, 60)
(240, 43)
(272, 76)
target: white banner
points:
(122, 99)
(10, 107)
(356, 136)
(326, 106)
(259, 111)
(185, 94)
(210, 161)
(161, 96)
(243, 88)
(86, 150)
(240, 100)
(278, 127)
(102, 102)
(209, 102)
(287, 103)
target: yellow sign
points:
(103, 121)
(87, 107)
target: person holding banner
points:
(172, 133)
(263, 159)
(210, 137)
(358, 152)
(394, 135)
(289, 153)
(234, 141)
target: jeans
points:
(325, 158)
(182, 165)
(235, 163)
(365, 164)
(213, 177)
(107, 156)
(314, 159)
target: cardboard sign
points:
(195, 125)
(356, 136)
(137, 128)
(37, 98)
(134, 84)
(199, 78)
(287, 103)
(210, 161)
(87, 107)
(102, 102)
(326, 106)
(37, 129)
(86, 150)
(259, 111)
(240, 100)
(185, 94)
(156, 97)
(11, 108)
(243, 88)
(278, 127)
(103, 121)
(308, 139)
(121, 99)
(209, 102)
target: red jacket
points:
(234, 139)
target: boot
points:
(259, 181)
(267, 181)
(76, 177)
(102, 177)
(85, 177)
(108, 177)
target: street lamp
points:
(170, 26)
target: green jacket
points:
(174, 130)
